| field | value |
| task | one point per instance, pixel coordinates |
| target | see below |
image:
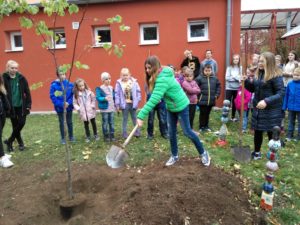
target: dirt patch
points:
(185, 194)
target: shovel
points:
(242, 153)
(117, 156)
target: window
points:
(59, 39)
(149, 34)
(102, 36)
(197, 30)
(16, 43)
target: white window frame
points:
(197, 22)
(58, 46)
(96, 29)
(148, 42)
(12, 41)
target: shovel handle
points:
(130, 136)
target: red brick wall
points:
(172, 16)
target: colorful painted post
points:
(223, 132)
(267, 195)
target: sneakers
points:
(172, 160)
(205, 158)
(9, 146)
(5, 162)
(125, 135)
(63, 141)
(234, 120)
(87, 139)
(202, 129)
(8, 156)
(150, 137)
(112, 137)
(106, 138)
(256, 155)
(97, 138)
(288, 139)
(207, 129)
(72, 139)
(165, 136)
(21, 147)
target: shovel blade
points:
(242, 154)
(116, 157)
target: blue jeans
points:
(184, 121)
(162, 120)
(291, 127)
(129, 109)
(69, 124)
(245, 119)
(108, 127)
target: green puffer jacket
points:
(169, 89)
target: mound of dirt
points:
(184, 194)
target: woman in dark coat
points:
(268, 90)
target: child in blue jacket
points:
(105, 98)
(292, 104)
(57, 88)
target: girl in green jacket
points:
(164, 85)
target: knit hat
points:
(105, 76)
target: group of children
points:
(202, 92)
(125, 98)
(263, 94)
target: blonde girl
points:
(127, 98)
(84, 102)
(268, 90)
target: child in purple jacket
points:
(192, 90)
(127, 98)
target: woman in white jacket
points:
(233, 77)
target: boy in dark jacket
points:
(210, 91)
(19, 98)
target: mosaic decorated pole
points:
(223, 132)
(267, 195)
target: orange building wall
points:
(172, 16)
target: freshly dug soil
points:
(184, 194)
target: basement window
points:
(59, 39)
(16, 42)
(149, 34)
(197, 30)
(102, 35)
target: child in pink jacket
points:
(192, 90)
(84, 102)
(238, 104)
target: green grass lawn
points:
(41, 137)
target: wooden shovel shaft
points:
(130, 135)
(242, 112)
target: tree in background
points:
(259, 41)
(55, 9)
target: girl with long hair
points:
(163, 84)
(268, 90)
(84, 102)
